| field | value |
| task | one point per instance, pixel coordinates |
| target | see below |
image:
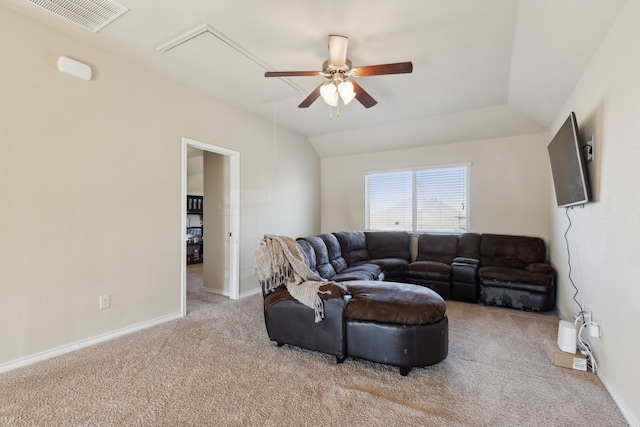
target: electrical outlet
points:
(105, 301)
(587, 316)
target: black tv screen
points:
(568, 168)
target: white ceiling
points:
(481, 69)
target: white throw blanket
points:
(281, 261)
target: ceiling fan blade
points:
(291, 73)
(312, 97)
(338, 50)
(362, 96)
(377, 70)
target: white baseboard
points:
(622, 405)
(58, 351)
(226, 293)
(216, 291)
(250, 293)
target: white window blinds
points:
(418, 200)
(390, 201)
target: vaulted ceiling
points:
(481, 69)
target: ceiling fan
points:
(339, 71)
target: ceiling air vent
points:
(91, 14)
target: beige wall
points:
(518, 205)
(90, 189)
(603, 238)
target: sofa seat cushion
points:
(390, 302)
(349, 276)
(364, 271)
(391, 264)
(370, 269)
(510, 263)
(515, 278)
(429, 270)
(541, 268)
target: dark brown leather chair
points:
(514, 273)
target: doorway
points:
(232, 202)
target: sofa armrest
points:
(463, 271)
(337, 290)
(291, 322)
(464, 282)
(464, 260)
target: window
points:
(433, 199)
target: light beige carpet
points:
(216, 367)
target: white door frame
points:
(234, 216)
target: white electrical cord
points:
(583, 345)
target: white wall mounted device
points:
(74, 68)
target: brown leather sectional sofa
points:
(375, 311)
(502, 270)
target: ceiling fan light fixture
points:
(329, 93)
(347, 92)
(338, 69)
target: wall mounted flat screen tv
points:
(568, 166)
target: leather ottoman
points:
(398, 324)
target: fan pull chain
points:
(337, 111)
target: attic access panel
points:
(212, 54)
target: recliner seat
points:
(432, 267)
(513, 272)
(391, 250)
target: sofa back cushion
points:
(335, 254)
(388, 244)
(310, 253)
(511, 251)
(323, 265)
(437, 247)
(353, 245)
(469, 245)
